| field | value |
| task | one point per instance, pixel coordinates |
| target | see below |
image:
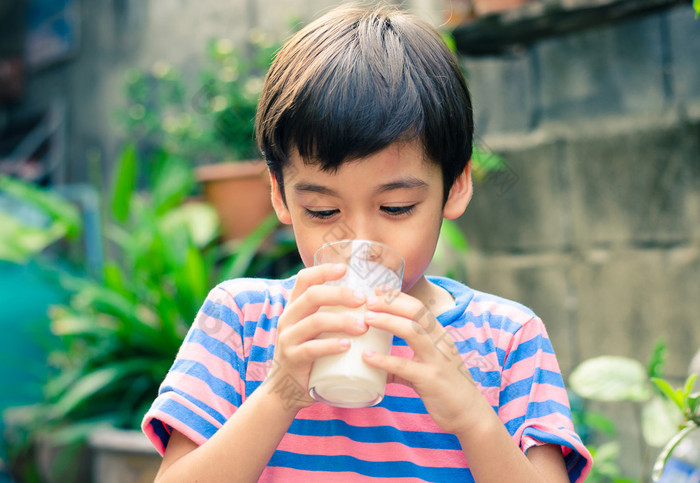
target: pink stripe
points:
(496, 308)
(276, 474)
(369, 417)
(216, 328)
(200, 390)
(217, 367)
(341, 445)
(262, 338)
(253, 311)
(524, 368)
(541, 393)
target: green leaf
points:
(668, 391)
(663, 457)
(694, 406)
(90, 384)
(611, 378)
(689, 385)
(20, 242)
(660, 421)
(239, 264)
(199, 219)
(50, 203)
(696, 6)
(174, 180)
(124, 182)
(657, 360)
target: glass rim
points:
(360, 240)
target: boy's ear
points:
(460, 194)
(278, 202)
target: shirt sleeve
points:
(533, 402)
(204, 386)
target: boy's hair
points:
(357, 80)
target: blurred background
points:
(122, 121)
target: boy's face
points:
(394, 196)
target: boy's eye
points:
(398, 210)
(321, 214)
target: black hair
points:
(359, 79)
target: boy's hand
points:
(436, 371)
(297, 347)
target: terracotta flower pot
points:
(240, 193)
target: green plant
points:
(689, 405)
(696, 6)
(120, 332)
(211, 122)
(623, 379)
(54, 219)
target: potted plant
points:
(213, 126)
(119, 334)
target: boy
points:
(365, 121)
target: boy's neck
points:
(434, 297)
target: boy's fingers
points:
(317, 296)
(349, 323)
(317, 275)
(400, 367)
(398, 303)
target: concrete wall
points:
(596, 222)
(115, 36)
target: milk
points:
(344, 379)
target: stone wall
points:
(595, 223)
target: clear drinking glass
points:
(345, 380)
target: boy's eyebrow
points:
(314, 188)
(404, 183)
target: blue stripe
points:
(211, 412)
(376, 469)
(375, 434)
(266, 323)
(257, 297)
(522, 388)
(221, 312)
(500, 322)
(485, 378)
(219, 387)
(194, 420)
(538, 410)
(398, 404)
(575, 461)
(218, 348)
(261, 354)
(529, 348)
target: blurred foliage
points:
(119, 334)
(212, 122)
(662, 410)
(32, 219)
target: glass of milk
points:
(345, 380)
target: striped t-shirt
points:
(229, 350)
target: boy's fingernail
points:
(369, 353)
(370, 315)
(344, 342)
(359, 296)
(339, 267)
(372, 299)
